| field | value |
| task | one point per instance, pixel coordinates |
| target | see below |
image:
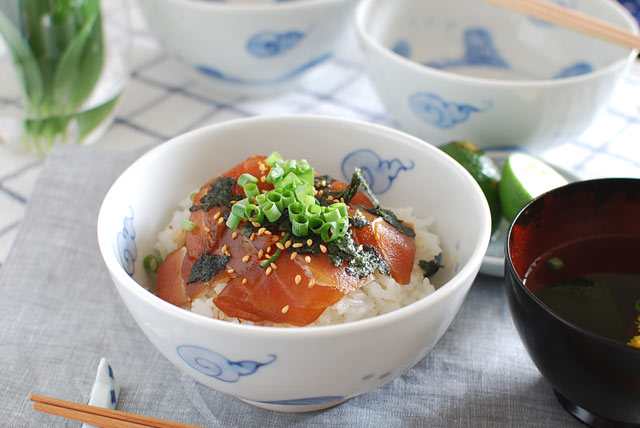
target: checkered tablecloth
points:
(162, 100)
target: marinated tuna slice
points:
(290, 294)
(396, 248)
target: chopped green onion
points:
(251, 189)
(316, 224)
(302, 191)
(313, 210)
(271, 211)
(331, 215)
(275, 256)
(193, 195)
(287, 198)
(187, 224)
(296, 208)
(253, 213)
(151, 263)
(555, 264)
(246, 178)
(341, 207)
(272, 158)
(275, 198)
(275, 173)
(302, 165)
(233, 220)
(261, 199)
(238, 209)
(300, 225)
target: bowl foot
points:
(299, 405)
(588, 418)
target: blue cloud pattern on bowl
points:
(431, 108)
(306, 401)
(126, 244)
(575, 70)
(265, 44)
(217, 74)
(216, 365)
(378, 172)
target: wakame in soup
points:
(593, 283)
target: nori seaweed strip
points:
(219, 194)
(429, 268)
(206, 266)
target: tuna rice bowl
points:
(271, 242)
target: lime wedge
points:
(523, 179)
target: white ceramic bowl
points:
(304, 368)
(250, 47)
(467, 70)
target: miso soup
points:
(593, 283)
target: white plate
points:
(493, 261)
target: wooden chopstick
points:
(99, 416)
(572, 19)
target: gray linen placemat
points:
(60, 313)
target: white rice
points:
(382, 295)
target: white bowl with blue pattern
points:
(250, 47)
(300, 368)
(468, 70)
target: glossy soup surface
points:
(594, 283)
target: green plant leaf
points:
(89, 119)
(71, 83)
(24, 59)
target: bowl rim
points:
(203, 5)
(362, 19)
(510, 269)
(467, 272)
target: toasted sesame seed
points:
(246, 258)
(227, 253)
(264, 191)
(307, 259)
(285, 309)
(320, 192)
(297, 245)
(309, 242)
(269, 270)
(293, 255)
(268, 249)
(244, 280)
(232, 270)
(255, 224)
(263, 179)
(323, 248)
(274, 239)
(273, 265)
(312, 282)
(207, 229)
(330, 197)
(282, 234)
(220, 220)
(261, 230)
(252, 237)
(234, 235)
(224, 248)
(234, 202)
(260, 253)
(262, 167)
(267, 232)
(298, 279)
(323, 183)
(216, 215)
(287, 244)
(279, 245)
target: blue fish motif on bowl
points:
(431, 108)
(574, 70)
(479, 51)
(266, 44)
(126, 244)
(402, 48)
(216, 365)
(378, 172)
